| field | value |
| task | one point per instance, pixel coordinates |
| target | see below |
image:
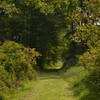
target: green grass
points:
(62, 85)
(17, 93)
(77, 77)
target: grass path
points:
(54, 86)
(63, 85)
(50, 87)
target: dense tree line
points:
(37, 24)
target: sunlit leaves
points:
(47, 6)
(8, 8)
(16, 63)
(87, 34)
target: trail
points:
(51, 87)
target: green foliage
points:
(43, 24)
(83, 89)
(38, 25)
(91, 58)
(47, 6)
(16, 63)
(8, 8)
(2, 98)
(91, 61)
(63, 31)
(88, 35)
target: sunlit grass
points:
(67, 85)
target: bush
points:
(91, 61)
(16, 63)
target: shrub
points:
(91, 61)
(16, 63)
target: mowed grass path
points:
(54, 86)
(50, 86)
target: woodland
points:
(50, 43)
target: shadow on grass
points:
(79, 79)
(82, 83)
(86, 91)
(49, 75)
